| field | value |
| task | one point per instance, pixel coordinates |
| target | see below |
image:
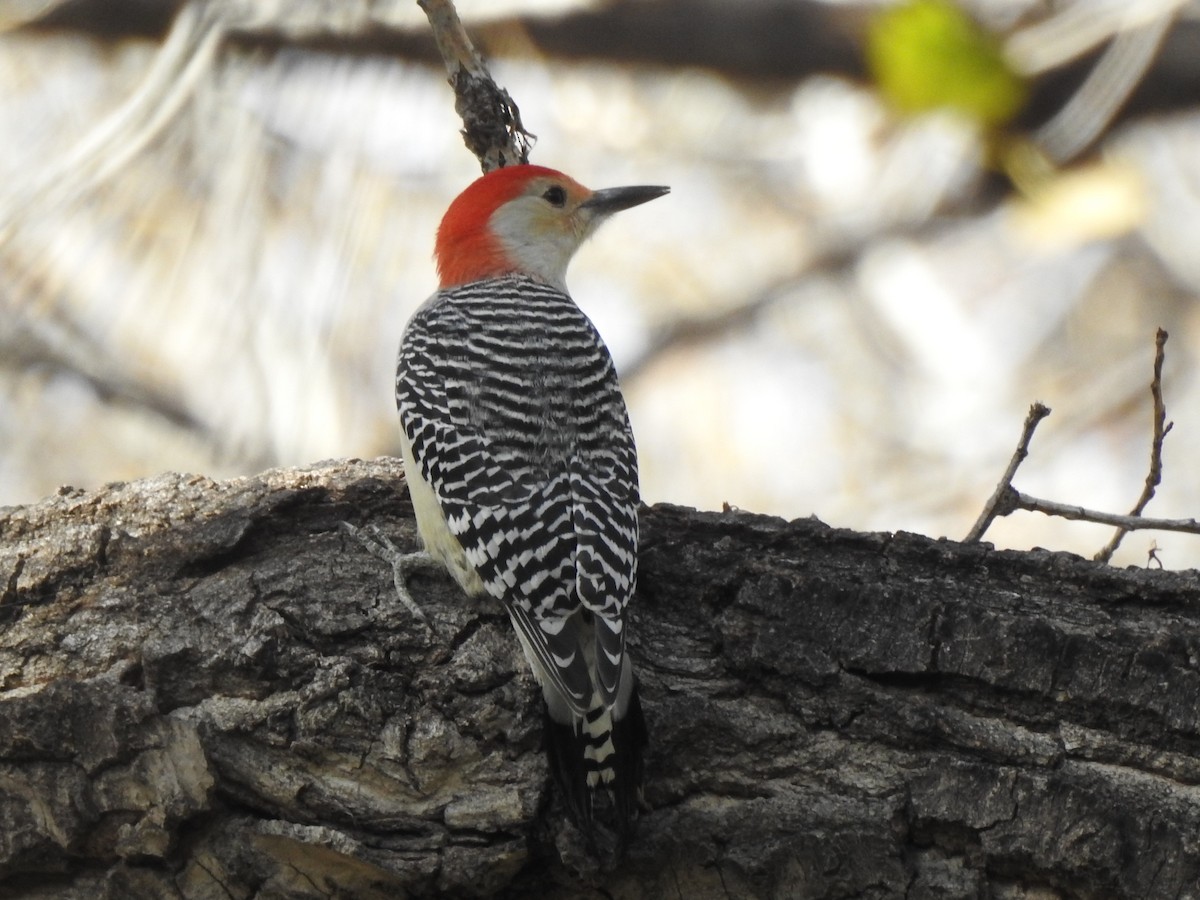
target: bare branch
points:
(164, 665)
(492, 128)
(1161, 427)
(1007, 499)
(1079, 513)
(1001, 502)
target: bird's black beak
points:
(611, 200)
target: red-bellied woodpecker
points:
(521, 464)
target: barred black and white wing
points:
(510, 406)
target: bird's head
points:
(524, 219)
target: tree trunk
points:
(210, 690)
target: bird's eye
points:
(555, 196)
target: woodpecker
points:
(521, 464)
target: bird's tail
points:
(597, 764)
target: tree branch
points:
(1125, 523)
(1161, 427)
(208, 687)
(1001, 502)
(1007, 499)
(492, 128)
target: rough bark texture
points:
(208, 690)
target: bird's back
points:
(509, 398)
(524, 366)
(513, 415)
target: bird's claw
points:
(381, 547)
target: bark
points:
(210, 690)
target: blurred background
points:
(216, 217)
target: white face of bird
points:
(542, 227)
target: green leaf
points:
(929, 54)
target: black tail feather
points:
(613, 804)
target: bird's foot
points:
(381, 547)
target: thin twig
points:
(1161, 427)
(492, 128)
(1152, 555)
(1006, 499)
(1000, 503)
(1079, 513)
